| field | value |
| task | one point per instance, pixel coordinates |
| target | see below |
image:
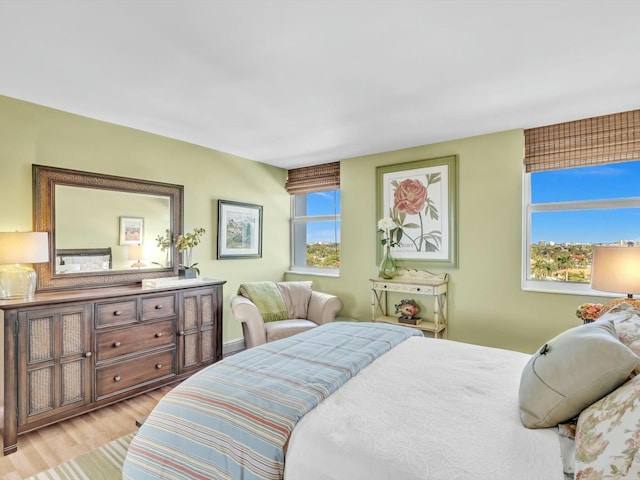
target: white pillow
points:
(571, 371)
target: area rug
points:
(104, 463)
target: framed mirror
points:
(104, 230)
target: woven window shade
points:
(592, 141)
(316, 178)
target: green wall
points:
(34, 134)
(486, 303)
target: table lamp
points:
(616, 269)
(18, 250)
(136, 252)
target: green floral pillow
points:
(608, 436)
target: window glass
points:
(315, 229)
(570, 211)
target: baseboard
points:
(233, 346)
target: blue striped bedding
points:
(233, 419)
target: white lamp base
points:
(17, 281)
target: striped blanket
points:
(233, 419)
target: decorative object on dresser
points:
(17, 251)
(70, 352)
(185, 244)
(416, 282)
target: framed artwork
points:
(239, 230)
(131, 230)
(419, 199)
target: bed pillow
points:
(626, 321)
(571, 371)
(608, 435)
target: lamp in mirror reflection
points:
(616, 269)
(18, 251)
(136, 252)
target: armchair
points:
(305, 309)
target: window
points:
(569, 210)
(315, 232)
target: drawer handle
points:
(159, 334)
(117, 378)
(158, 307)
(88, 354)
(117, 313)
(116, 344)
(158, 366)
(418, 289)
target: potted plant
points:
(184, 244)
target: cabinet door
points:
(54, 364)
(200, 328)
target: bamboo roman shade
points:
(316, 178)
(592, 141)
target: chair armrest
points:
(245, 311)
(323, 307)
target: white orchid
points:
(386, 225)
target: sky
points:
(323, 203)
(614, 180)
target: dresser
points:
(70, 352)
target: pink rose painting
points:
(411, 199)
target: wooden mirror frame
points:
(45, 180)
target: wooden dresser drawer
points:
(157, 307)
(113, 343)
(137, 371)
(116, 313)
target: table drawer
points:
(113, 343)
(116, 313)
(123, 376)
(405, 288)
(157, 307)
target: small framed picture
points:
(131, 230)
(239, 230)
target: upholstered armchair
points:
(273, 310)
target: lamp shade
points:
(135, 252)
(616, 269)
(24, 247)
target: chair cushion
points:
(296, 297)
(286, 328)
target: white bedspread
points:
(428, 410)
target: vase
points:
(387, 268)
(187, 273)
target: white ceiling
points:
(295, 83)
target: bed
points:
(304, 408)
(75, 260)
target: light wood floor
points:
(50, 446)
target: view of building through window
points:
(573, 209)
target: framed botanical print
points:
(419, 201)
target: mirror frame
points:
(45, 180)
